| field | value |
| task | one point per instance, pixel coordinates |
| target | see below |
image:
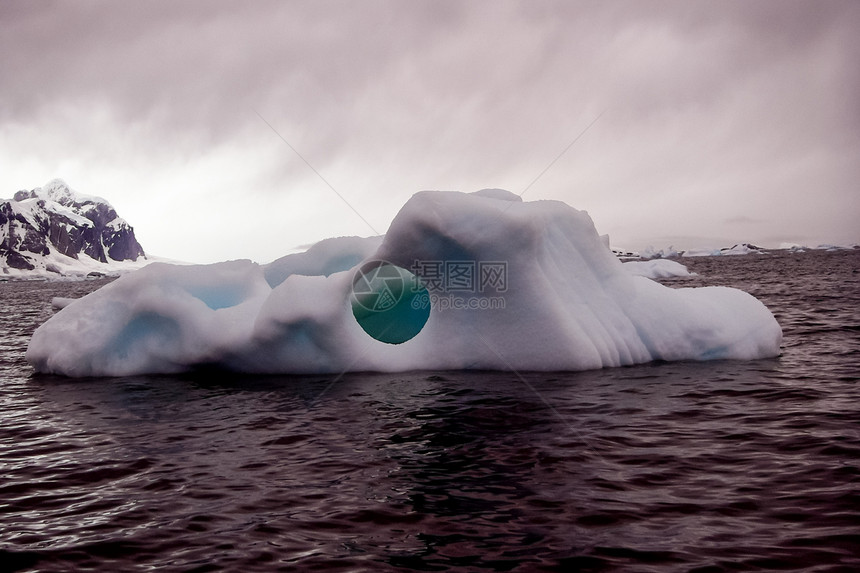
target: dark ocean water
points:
(717, 466)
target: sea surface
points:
(706, 467)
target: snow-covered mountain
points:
(54, 231)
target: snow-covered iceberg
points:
(510, 284)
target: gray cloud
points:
(715, 111)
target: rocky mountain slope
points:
(54, 231)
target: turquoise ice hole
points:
(388, 302)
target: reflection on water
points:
(722, 465)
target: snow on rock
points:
(54, 232)
(657, 269)
(738, 249)
(741, 249)
(566, 304)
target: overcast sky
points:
(722, 121)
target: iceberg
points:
(657, 269)
(668, 253)
(737, 249)
(494, 282)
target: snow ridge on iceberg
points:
(566, 303)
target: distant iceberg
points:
(657, 269)
(497, 284)
(738, 249)
(668, 253)
(798, 248)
